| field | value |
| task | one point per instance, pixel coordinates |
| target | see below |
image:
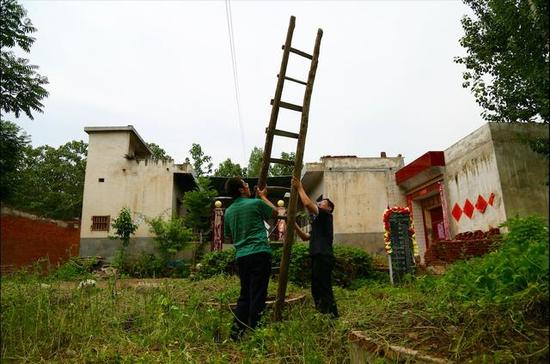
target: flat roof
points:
(113, 129)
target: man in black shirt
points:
(320, 249)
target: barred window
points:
(101, 223)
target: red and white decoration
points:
(468, 208)
(387, 236)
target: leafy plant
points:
(202, 164)
(75, 268)
(507, 59)
(198, 203)
(221, 262)
(13, 143)
(352, 264)
(229, 169)
(159, 154)
(50, 181)
(21, 87)
(516, 273)
(171, 236)
(124, 226)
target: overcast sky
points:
(386, 79)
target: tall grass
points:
(456, 316)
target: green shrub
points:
(351, 264)
(220, 262)
(299, 270)
(74, 268)
(516, 273)
(171, 236)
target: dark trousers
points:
(254, 273)
(321, 284)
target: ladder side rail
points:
(292, 206)
(275, 109)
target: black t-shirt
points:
(321, 233)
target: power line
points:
(229, 18)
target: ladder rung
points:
(288, 105)
(294, 80)
(299, 52)
(283, 133)
(281, 161)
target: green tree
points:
(198, 204)
(21, 87)
(202, 164)
(13, 142)
(255, 162)
(159, 154)
(51, 181)
(20, 91)
(229, 169)
(124, 226)
(171, 236)
(508, 58)
(283, 169)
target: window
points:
(101, 179)
(101, 223)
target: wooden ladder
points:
(272, 131)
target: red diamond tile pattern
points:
(468, 208)
(481, 204)
(491, 199)
(456, 212)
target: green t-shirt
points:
(244, 223)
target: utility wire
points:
(235, 74)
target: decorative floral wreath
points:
(387, 237)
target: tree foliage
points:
(255, 162)
(202, 164)
(159, 154)
(50, 181)
(21, 87)
(283, 169)
(13, 142)
(229, 169)
(124, 226)
(508, 58)
(171, 236)
(198, 204)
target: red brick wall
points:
(25, 238)
(464, 246)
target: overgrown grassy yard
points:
(491, 309)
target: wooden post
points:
(292, 206)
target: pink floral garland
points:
(386, 219)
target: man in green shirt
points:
(244, 226)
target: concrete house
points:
(361, 189)
(121, 173)
(476, 184)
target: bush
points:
(75, 268)
(170, 236)
(351, 264)
(220, 262)
(516, 273)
